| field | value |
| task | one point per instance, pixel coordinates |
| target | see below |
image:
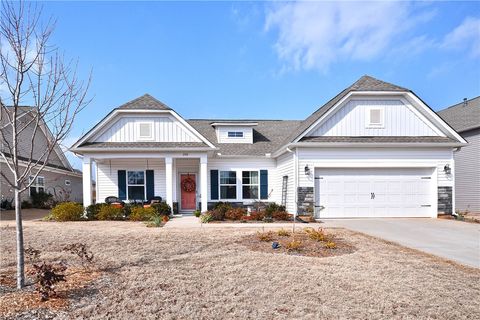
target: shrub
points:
(206, 218)
(330, 245)
(222, 206)
(235, 213)
(281, 215)
(26, 204)
(197, 213)
(47, 276)
(92, 210)
(272, 207)
(127, 209)
(81, 251)
(67, 211)
(42, 200)
(109, 212)
(283, 233)
(162, 208)
(257, 215)
(265, 236)
(142, 214)
(317, 235)
(156, 221)
(294, 245)
(32, 254)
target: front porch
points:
(179, 178)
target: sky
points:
(264, 60)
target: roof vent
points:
(465, 102)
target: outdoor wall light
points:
(307, 170)
(447, 169)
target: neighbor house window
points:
(235, 134)
(228, 185)
(250, 184)
(68, 182)
(38, 184)
(136, 185)
(145, 130)
(375, 117)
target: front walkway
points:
(453, 240)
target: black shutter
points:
(150, 184)
(263, 184)
(214, 184)
(122, 184)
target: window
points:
(228, 185)
(250, 184)
(145, 130)
(136, 185)
(235, 134)
(375, 117)
(38, 185)
(67, 182)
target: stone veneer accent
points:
(445, 200)
(305, 200)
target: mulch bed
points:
(309, 247)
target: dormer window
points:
(375, 118)
(145, 131)
(235, 134)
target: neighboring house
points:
(374, 150)
(465, 119)
(57, 178)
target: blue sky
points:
(262, 59)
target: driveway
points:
(453, 240)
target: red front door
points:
(188, 189)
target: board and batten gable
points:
(126, 129)
(398, 117)
(222, 134)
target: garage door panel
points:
(385, 192)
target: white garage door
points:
(385, 192)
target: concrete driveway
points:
(453, 240)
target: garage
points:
(374, 192)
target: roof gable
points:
(145, 102)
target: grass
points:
(209, 274)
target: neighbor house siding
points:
(165, 129)
(245, 164)
(351, 120)
(467, 173)
(107, 175)
(285, 167)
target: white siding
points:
(399, 120)
(107, 176)
(285, 167)
(222, 134)
(246, 164)
(165, 129)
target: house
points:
(374, 150)
(57, 177)
(465, 119)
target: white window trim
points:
(369, 124)
(251, 184)
(68, 182)
(220, 184)
(235, 132)
(151, 136)
(144, 184)
(36, 185)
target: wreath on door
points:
(188, 184)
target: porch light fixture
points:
(307, 170)
(447, 169)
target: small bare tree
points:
(39, 94)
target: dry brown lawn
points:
(162, 273)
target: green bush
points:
(206, 218)
(272, 208)
(109, 212)
(197, 213)
(92, 210)
(26, 204)
(142, 214)
(42, 200)
(127, 209)
(67, 211)
(162, 208)
(156, 221)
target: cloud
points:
(315, 35)
(466, 36)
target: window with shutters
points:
(250, 184)
(136, 185)
(145, 130)
(375, 117)
(228, 185)
(38, 185)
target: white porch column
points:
(169, 180)
(87, 181)
(203, 183)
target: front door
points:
(188, 190)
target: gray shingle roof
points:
(146, 144)
(268, 136)
(463, 117)
(145, 102)
(377, 139)
(365, 83)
